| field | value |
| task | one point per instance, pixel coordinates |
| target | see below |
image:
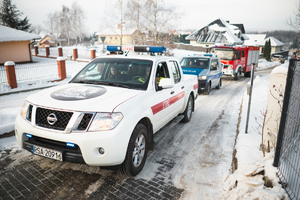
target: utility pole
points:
(121, 4)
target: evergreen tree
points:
(268, 56)
(10, 16)
(267, 50)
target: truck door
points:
(179, 87)
(214, 70)
(162, 106)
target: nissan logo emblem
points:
(52, 119)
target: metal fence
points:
(38, 71)
(287, 156)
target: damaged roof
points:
(218, 31)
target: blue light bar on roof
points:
(114, 48)
(208, 54)
(152, 49)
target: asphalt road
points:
(188, 161)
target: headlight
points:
(105, 121)
(24, 110)
(203, 77)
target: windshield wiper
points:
(81, 81)
(118, 85)
(102, 83)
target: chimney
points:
(119, 26)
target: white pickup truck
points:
(107, 114)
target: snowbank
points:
(254, 170)
(264, 64)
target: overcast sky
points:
(256, 15)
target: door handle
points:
(182, 87)
(172, 92)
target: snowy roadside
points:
(248, 181)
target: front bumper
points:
(114, 142)
(202, 85)
(228, 71)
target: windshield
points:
(225, 54)
(119, 72)
(202, 63)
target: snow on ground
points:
(264, 64)
(244, 183)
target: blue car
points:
(207, 68)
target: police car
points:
(107, 114)
(208, 69)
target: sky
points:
(256, 15)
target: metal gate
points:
(287, 155)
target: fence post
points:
(75, 54)
(61, 64)
(93, 53)
(36, 50)
(286, 100)
(47, 50)
(60, 52)
(11, 74)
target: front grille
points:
(63, 118)
(85, 122)
(52, 144)
(29, 113)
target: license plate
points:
(48, 153)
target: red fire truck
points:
(237, 59)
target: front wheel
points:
(219, 85)
(136, 152)
(207, 90)
(188, 110)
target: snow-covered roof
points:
(9, 34)
(219, 31)
(274, 42)
(254, 39)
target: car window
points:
(175, 71)
(161, 72)
(195, 62)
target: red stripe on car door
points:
(166, 103)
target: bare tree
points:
(158, 16)
(134, 9)
(65, 21)
(36, 28)
(53, 22)
(296, 22)
(77, 18)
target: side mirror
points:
(166, 83)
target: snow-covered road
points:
(192, 156)
(202, 149)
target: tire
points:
(137, 150)
(219, 85)
(236, 76)
(207, 91)
(188, 110)
(247, 74)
